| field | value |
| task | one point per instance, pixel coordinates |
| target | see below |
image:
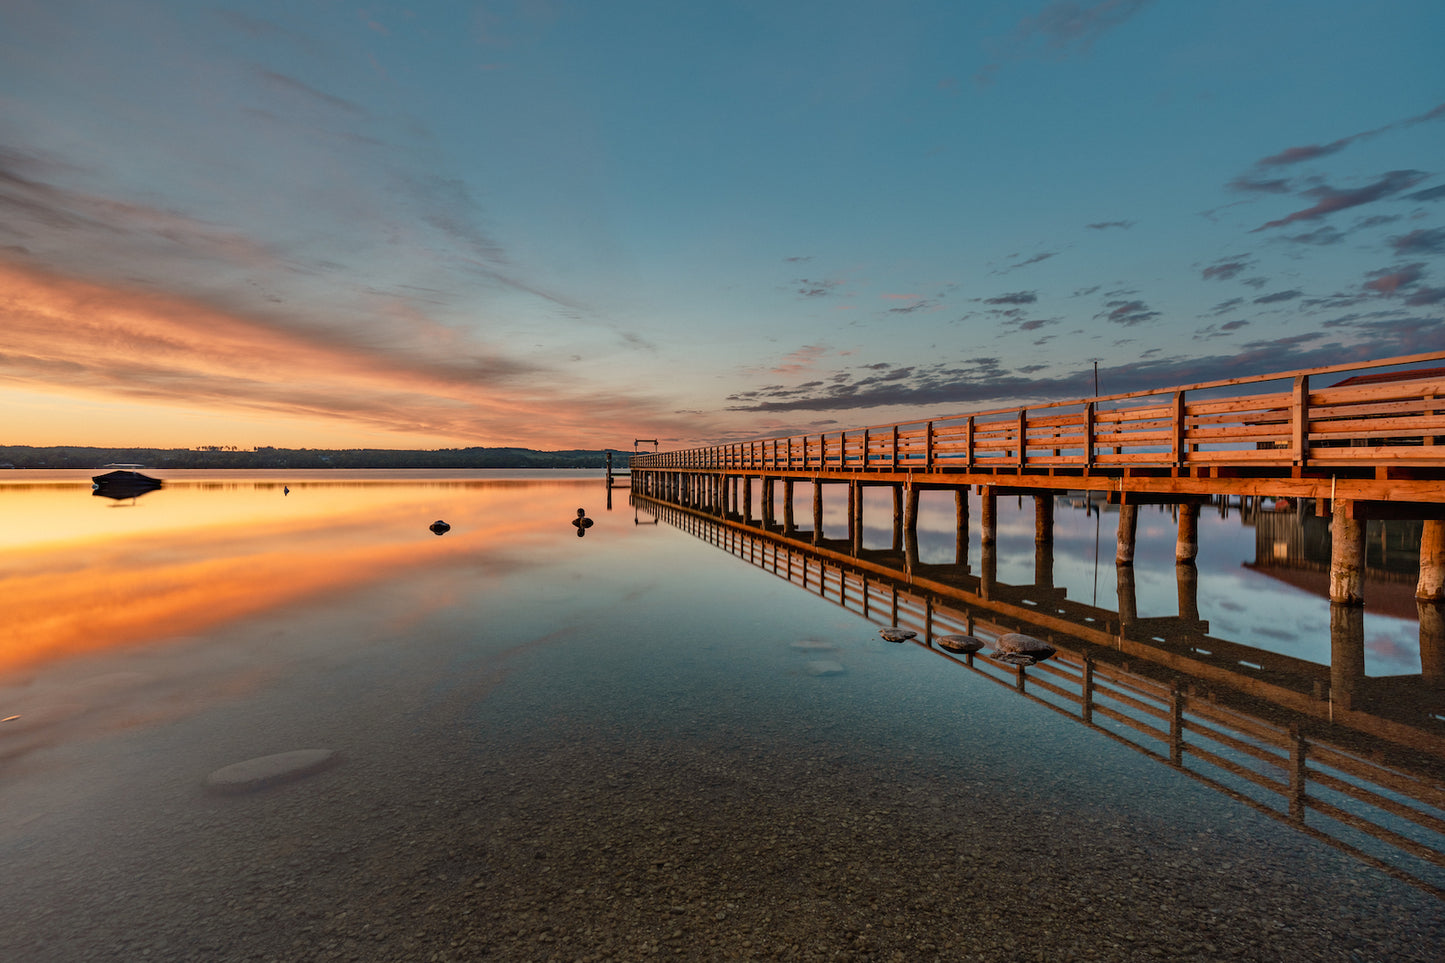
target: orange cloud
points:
(435, 387)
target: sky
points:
(574, 223)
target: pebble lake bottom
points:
(624, 746)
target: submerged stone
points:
(895, 634)
(1016, 648)
(264, 771)
(825, 667)
(961, 644)
(439, 527)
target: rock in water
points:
(267, 771)
(895, 634)
(825, 667)
(1016, 648)
(439, 527)
(961, 644)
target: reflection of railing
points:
(1391, 422)
(1390, 815)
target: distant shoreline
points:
(63, 456)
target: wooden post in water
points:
(988, 575)
(1128, 600)
(769, 510)
(910, 512)
(960, 537)
(898, 522)
(747, 500)
(788, 505)
(1044, 517)
(1431, 585)
(817, 511)
(1187, 547)
(1044, 566)
(989, 501)
(1347, 652)
(856, 519)
(1432, 643)
(1347, 556)
(1128, 528)
(1186, 577)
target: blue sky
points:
(331, 224)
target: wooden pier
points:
(1352, 442)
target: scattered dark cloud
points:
(1105, 225)
(1226, 269)
(1025, 263)
(797, 259)
(1329, 199)
(1424, 241)
(816, 289)
(1428, 194)
(1128, 313)
(1320, 236)
(1224, 307)
(1061, 28)
(1277, 297)
(293, 86)
(985, 381)
(1390, 281)
(1014, 297)
(1308, 152)
(922, 304)
(1033, 324)
(1251, 184)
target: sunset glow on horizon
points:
(569, 226)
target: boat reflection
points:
(1356, 762)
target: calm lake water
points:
(665, 739)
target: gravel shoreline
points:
(623, 846)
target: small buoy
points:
(582, 521)
(440, 527)
(285, 489)
(895, 634)
(962, 644)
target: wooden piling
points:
(1431, 585)
(1432, 643)
(1044, 517)
(1347, 556)
(1186, 579)
(817, 511)
(989, 527)
(1347, 652)
(960, 536)
(788, 506)
(1186, 548)
(1128, 599)
(1128, 528)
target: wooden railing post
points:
(1177, 447)
(928, 448)
(867, 440)
(1299, 420)
(1088, 435)
(1023, 437)
(895, 447)
(968, 443)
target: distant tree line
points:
(217, 456)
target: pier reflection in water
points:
(1356, 761)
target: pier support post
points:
(1186, 576)
(817, 511)
(747, 500)
(1128, 599)
(1347, 652)
(1044, 517)
(1347, 556)
(852, 509)
(1128, 527)
(1432, 643)
(769, 510)
(1431, 585)
(988, 574)
(898, 522)
(1044, 566)
(960, 537)
(1186, 549)
(788, 506)
(989, 500)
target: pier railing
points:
(1395, 420)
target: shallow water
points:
(627, 744)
